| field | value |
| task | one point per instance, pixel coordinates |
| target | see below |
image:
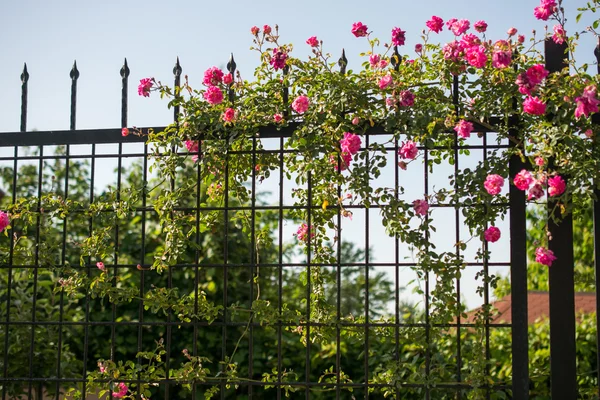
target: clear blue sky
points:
(49, 35)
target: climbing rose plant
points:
(505, 88)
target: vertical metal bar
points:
(176, 85)
(280, 271)
(308, 285)
(518, 267)
(367, 261)
(225, 268)
(397, 263)
(597, 244)
(455, 102)
(286, 92)
(427, 305)
(254, 271)
(24, 81)
(486, 290)
(36, 269)
(74, 75)
(562, 281)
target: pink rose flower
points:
(4, 221)
(312, 41)
(589, 133)
(278, 59)
(192, 146)
(469, 40)
(459, 27)
(229, 115)
(101, 266)
(418, 47)
(536, 191)
(302, 232)
(537, 73)
(228, 79)
(383, 64)
(464, 129)
(213, 95)
(512, 31)
(385, 81)
(408, 150)
(277, 118)
(492, 234)
(480, 26)
(355, 121)
(493, 184)
(406, 98)
(453, 51)
(359, 29)
(539, 161)
(398, 37)
(145, 86)
(534, 106)
(435, 24)
(556, 186)
(390, 101)
(544, 256)
(374, 60)
(501, 59)
(421, 207)
(350, 143)
(524, 84)
(212, 76)
(521, 38)
(300, 104)
(523, 179)
(544, 10)
(476, 56)
(560, 35)
(124, 132)
(254, 30)
(587, 103)
(122, 391)
(266, 29)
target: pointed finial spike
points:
(343, 62)
(24, 74)
(231, 65)
(125, 69)
(74, 74)
(177, 68)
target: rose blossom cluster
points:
(302, 232)
(544, 256)
(492, 234)
(493, 184)
(526, 181)
(464, 129)
(421, 207)
(213, 77)
(350, 145)
(122, 391)
(587, 103)
(408, 150)
(192, 146)
(544, 10)
(470, 47)
(145, 86)
(4, 221)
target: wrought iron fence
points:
(70, 163)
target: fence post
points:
(562, 282)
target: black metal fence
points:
(64, 338)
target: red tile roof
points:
(538, 307)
